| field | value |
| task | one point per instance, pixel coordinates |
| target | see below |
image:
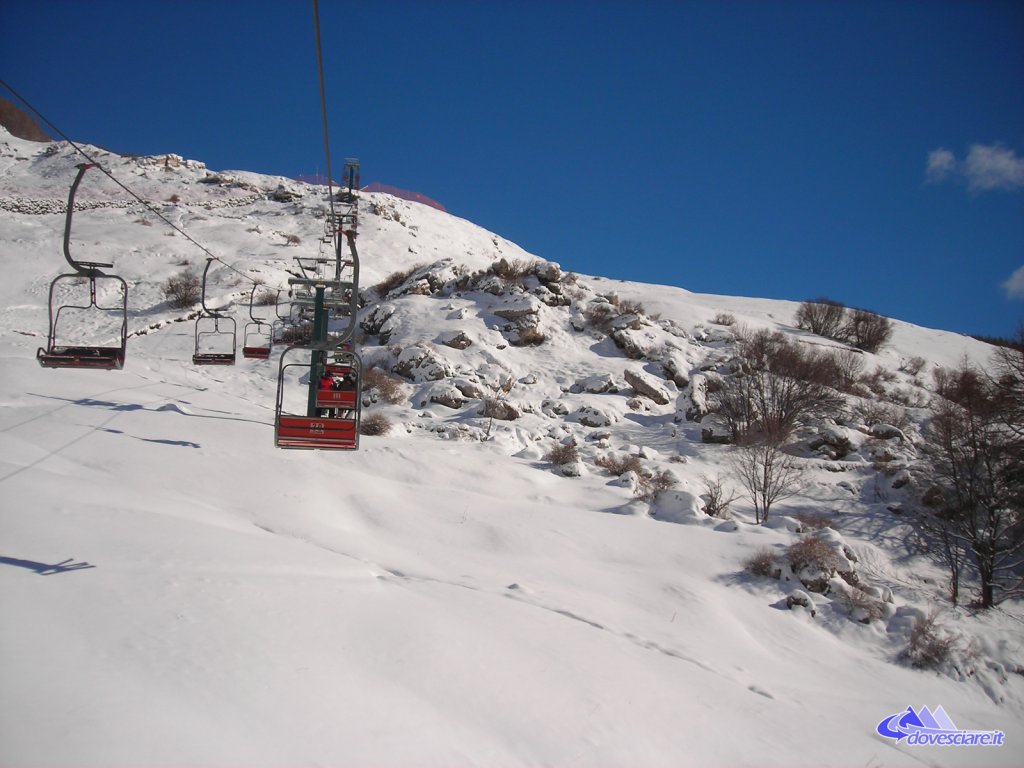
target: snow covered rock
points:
(597, 384)
(646, 386)
(421, 363)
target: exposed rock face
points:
(456, 340)
(420, 363)
(692, 404)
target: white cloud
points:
(941, 163)
(994, 167)
(1015, 285)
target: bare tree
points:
(866, 330)
(823, 317)
(767, 473)
(779, 386)
(977, 458)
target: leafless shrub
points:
(866, 330)
(183, 289)
(175, 198)
(387, 387)
(812, 552)
(630, 307)
(929, 645)
(813, 522)
(564, 453)
(265, 298)
(823, 317)
(847, 368)
(862, 607)
(650, 484)
(873, 412)
(762, 563)
(374, 424)
(724, 318)
(395, 279)
(913, 366)
(716, 497)
(292, 240)
(510, 271)
(600, 315)
(619, 465)
(531, 336)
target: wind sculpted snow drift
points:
(176, 591)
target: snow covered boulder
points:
(592, 416)
(422, 363)
(677, 368)
(456, 339)
(597, 384)
(376, 322)
(682, 507)
(831, 441)
(518, 307)
(554, 408)
(499, 409)
(446, 394)
(646, 386)
(800, 599)
(887, 432)
(692, 403)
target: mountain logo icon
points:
(927, 728)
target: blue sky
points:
(870, 152)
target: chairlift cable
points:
(323, 105)
(123, 186)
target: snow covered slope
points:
(176, 591)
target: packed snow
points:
(176, 591)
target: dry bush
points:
(913, 366)
(388, 387)
(374, 424)
(619, 465)
(860, 606)
(183, 289)
(292, 240)
(872, 412)
(265, 298)
(929, 646)
(599, 316)
(564, 453)
(823, 317)
(762, 563)
(724, 318)
(812, 522)
(629, 307)
(510, 271)
(717, 498)
(395, 279)
(810, 551)
(529, 337)
(175, 198)
(649, 485)
(866, 330)
(877, 379)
